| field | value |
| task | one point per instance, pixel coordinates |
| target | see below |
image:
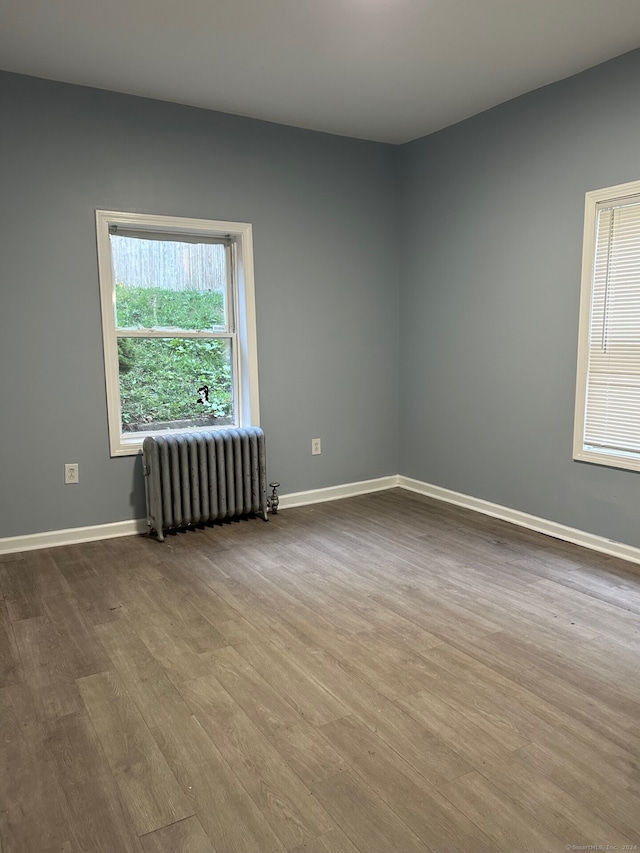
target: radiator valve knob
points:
(273, 500)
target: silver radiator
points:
(196, 477)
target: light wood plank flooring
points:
(378, 674)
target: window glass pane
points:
(612, 420)
(175, 383)
(165, 283)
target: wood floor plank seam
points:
(273, 785)
(147, 785)
(474, 796)
(223, 804)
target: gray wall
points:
(477, 230)
(326, 288)
(491, 217)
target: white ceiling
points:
(387, 70)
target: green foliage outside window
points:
(160, 377)
(149, 307)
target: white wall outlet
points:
(316, 447)
(71, 474)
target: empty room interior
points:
(320, 427)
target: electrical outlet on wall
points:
(316, 447)
(71, 472)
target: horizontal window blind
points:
(612, 411)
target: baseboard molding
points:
(523, 519)
(334, 493)
(75, 535)
(71, 536)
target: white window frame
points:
(245, 354)
(581, 452)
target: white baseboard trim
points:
(523, 519)
(334, 493)
(75, 535)
(71, 536)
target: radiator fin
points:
(192, 478)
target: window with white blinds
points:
(607, 426)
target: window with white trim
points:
(607, 420)
(178, 321)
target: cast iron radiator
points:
(197, 477)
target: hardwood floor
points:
(379, 674)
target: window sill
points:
(131, 443)
(609, 460)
